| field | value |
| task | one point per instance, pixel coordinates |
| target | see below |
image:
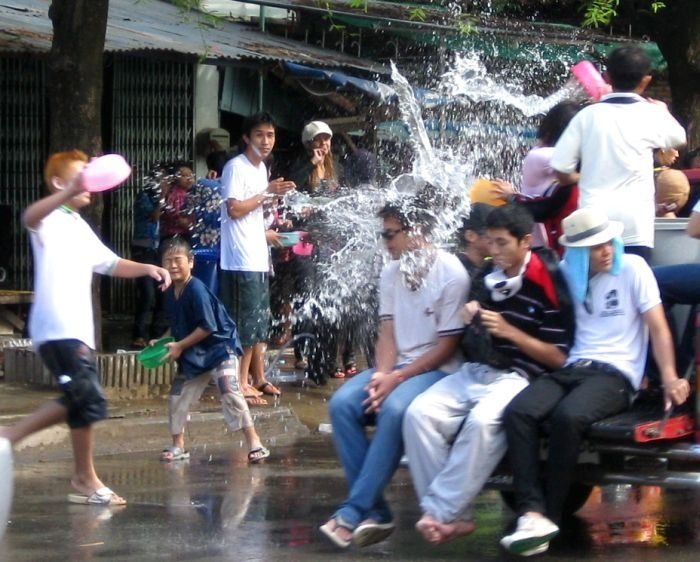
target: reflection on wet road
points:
(216, 507)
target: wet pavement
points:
(217, 507)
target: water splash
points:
(476, 123)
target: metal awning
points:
(158, 27)
(507, 38)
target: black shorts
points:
(73, 365)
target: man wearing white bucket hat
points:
(617, 308)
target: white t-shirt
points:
(614, 144)
(66, 254)
(243, 242)
(421, 317)
(614, 332)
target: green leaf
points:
(417, 14)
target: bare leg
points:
(257, 364)
(257, 371)
(48, 414)
(245, 365)
(85, 479)
(252, 438)
(179, 440)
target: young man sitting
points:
(617, 308)
(453, 432)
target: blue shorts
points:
(73, 365)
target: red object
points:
(693, 174)
(303, 247)
(673, 428)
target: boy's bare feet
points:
(436, 533)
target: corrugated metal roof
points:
(151, 25)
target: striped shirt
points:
(534, 309)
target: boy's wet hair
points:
(261, 118)
(627, 66)
(411, 215)
(58, 163)
(176, 244)
(513, 217)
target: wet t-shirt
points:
(198, 307)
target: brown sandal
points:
(255, 400)
(266, 387)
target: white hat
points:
(313, 129)
(588, 227)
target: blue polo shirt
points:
(198, 307)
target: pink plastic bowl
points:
(303, 247)
(591, 80)
(105, 172)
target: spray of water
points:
(483, 127)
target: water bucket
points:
(590, 79)
(289, 239)
(5, 483)
(105, 172)
(152, 357)
(206, 267)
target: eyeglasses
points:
(388, 234)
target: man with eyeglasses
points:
(421, 294)
(518, 325)
(617, 308)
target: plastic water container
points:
(105, 172)
(6, 483)
(152, 356)
(206, 267)
(588, 76)
(288, 239)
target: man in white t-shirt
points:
(245, 262)
(421, 294)
(617, 308)
(613, 143)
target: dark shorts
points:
(73, 365)
(246, 295)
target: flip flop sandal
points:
(339, 374)
(372, 532)
(254, 400)
(268, 388)
(101, 496)
(258, 454)
(330, 533)
(350, 370)
(170, 454)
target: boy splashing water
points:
(66, 254)
(206, 348)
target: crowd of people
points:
(541, 342)
(474, 352)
